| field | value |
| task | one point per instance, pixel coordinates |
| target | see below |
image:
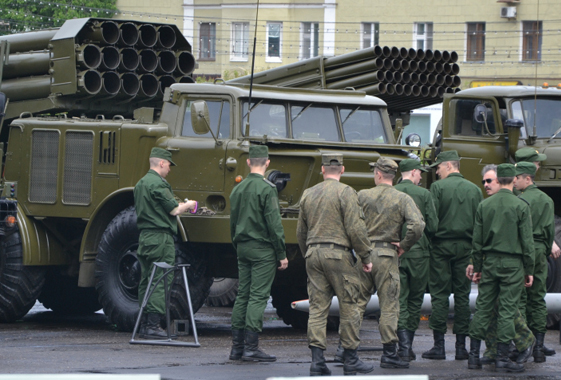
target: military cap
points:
(449, 155)
(506, 170)
(385, 164)
(258, 151)
(331, 159)
(525, 168)
(529, 155)
(163, 154)
(410, 164)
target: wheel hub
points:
(129, 273)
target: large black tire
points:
(62, 295)
(118, 274)
(20, 285)
(223, 292)
(554, 276)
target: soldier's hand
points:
(367, 267)
(529, 281)
(476, 277)
(283, 264)
(469, 271)
(400, 250)
(555, 251)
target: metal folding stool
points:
(166, 268)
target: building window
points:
(274, 41)
(370, 32)
(531, 40)
(240, 41)
(309, 37)
(475, 41)
(207, 41)
(422, 35)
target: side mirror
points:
(200, 119)
(513, 127)
(413, 140)
(480, 113)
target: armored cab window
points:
(219, 114)
(312, 122)
(266, 119)
(472, 117)
(547, 116)
(362, 125)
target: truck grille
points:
(44, 166)
(78, 168)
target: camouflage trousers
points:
(523, 337)
(333, 272)
(385, 279)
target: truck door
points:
(473, 126)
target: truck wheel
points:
(62, 295)
(223, 292)
(554, 276)
(20, 285)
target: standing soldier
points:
(456, 200)
(414, 265)
(386, 211)
(330, 225)
(258, 237)
(542, 210)
(156, 211)
(503, 253)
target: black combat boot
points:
(404, 344)
(546, 351)
(473, 358)
(353, 364)
(461, 352)
(437, 352)
(318, 367)
(412, 355)
(142, 327)
(153, 329)
(251, 351)
(503, 362)
(485, 360)
(238, 343)
(525, 354)
(539, 355)
(339, 355)
(390, 358)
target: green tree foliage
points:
(24, 15)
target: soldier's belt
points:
(383, 244)
(330, 246)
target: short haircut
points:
(525, 175)
(261, 161)
(505, 180)
(386, 176)
(455, 164)
(488, 168)
(332, 170)
(154, 161)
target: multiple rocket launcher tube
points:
(112, 59)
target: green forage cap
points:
(529, 154)
(449, 155)
(258, 151)
(331, 159)
(506, 170)
(410, 164)
(386, 165)
(525, 168)
(163, 154)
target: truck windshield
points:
(362, 125)
(547, 115)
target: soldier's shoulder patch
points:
(269, 182)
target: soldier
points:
(258, 237)
(542, 210)
(156, 211)
(386, 211)
(456, 200)
(330, 225)
(503, 236)
(414, 265)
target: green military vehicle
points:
(73, 154)
(487, 125)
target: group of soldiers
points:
(408, 238)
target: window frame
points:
(244, 56)
(476, 37)
(532, 36)
(426, 36)
(373, 32)
(313, 32)
(268, 57)
(211, 35)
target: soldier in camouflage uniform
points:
(414, 265)
(330, 225)
(386, 211)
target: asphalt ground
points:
(48, 343)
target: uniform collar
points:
(455, 175)
(507, 191)
(255, 175)
(406, 181)
(152, 171)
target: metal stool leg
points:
(144, 301)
